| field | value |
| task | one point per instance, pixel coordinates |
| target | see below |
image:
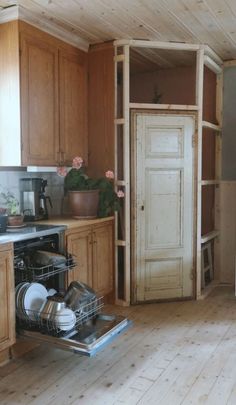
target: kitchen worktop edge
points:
(73, 222)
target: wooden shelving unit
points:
(204, 57)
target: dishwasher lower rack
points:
(58, 325)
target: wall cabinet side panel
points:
(73, 105)
(10, 141)
(101, 110)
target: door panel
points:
(164, 223)
(162, 275)
(164, 143)
(39, 99)
(80, 246)
(164, 184)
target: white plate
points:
(52, 292)
(20, 288)
(34, 298)
(15, 226)
(65, 319)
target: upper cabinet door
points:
(73, 105)
(39, 102)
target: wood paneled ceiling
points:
(211, 22)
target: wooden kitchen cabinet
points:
(43, 98)
(79, 244)
(39, 102)
(92, 248)
(7, 297)
(103, 259)
(73, 105)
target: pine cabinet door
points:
(103, 259)
(93, 251)
(73, 105)
(79, 245)
(7, 299)
(39, 101)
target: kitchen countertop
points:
(29, 231)
(32, 229)
(73, 222)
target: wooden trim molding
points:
(164, 106)
(157, 44)
(20, 13)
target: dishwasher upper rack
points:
(40, 273)
(33, 320)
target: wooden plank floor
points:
(175, 353)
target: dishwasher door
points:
(87, 339)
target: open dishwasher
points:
(70, 319)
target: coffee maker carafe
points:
(43, 209)
(33, 199)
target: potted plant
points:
(11, 205)
(88, 197)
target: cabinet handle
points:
(62, 157)
(59, 157)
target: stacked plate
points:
(29, 300)
(32, 304)
(65, 319)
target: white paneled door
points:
(164, 206)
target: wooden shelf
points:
(119, 121)
(209, 236)
(120, 243)
(210, 182)
(206, 124)
(151, 106)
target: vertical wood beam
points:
(199, 102)
(126, 133)
(115, 171)
(219, 106)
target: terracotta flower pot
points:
(15, 220)
(84, 204)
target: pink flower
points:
(62, 171)
(77, 162)
(109, 174)
(120, 194)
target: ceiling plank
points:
(211, 22)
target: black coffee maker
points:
(33, 200)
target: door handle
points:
(142, 207)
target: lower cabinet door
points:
(93, 252)
(79, 245)
(103, 259)
(7, 299)
(87, 339)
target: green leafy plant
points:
(77, 180)
(9, 202)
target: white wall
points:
(228, 183)
(9, 180)
(227, 231)
(229, 125)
